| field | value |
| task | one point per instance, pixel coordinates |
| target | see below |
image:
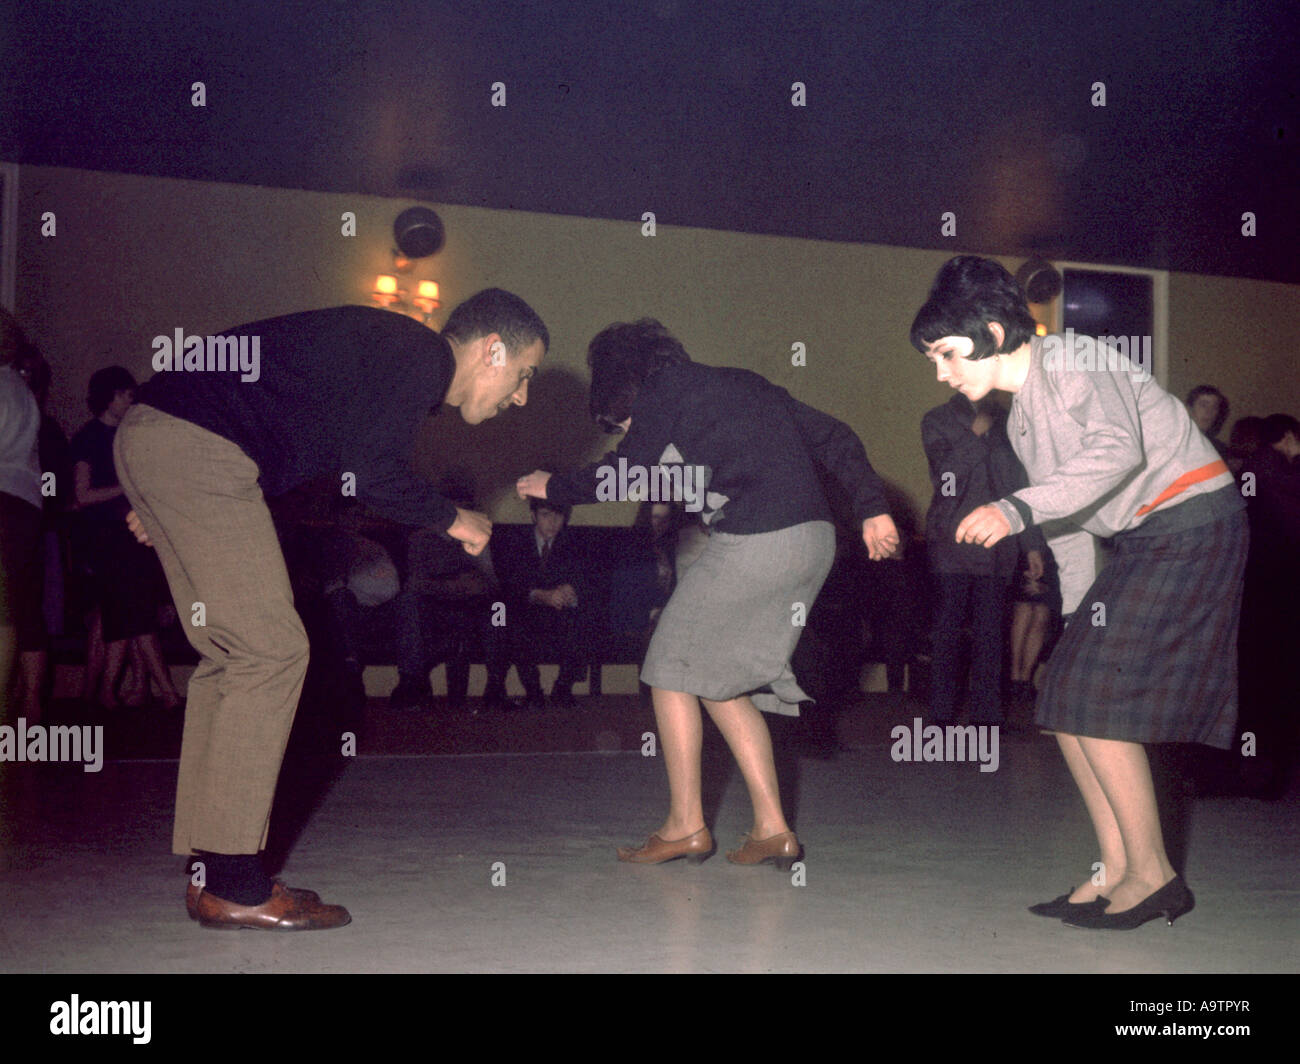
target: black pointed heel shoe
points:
(1171, 901)
(1060, 908)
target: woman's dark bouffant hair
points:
(967, 294)
(622, 357)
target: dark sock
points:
(235, 877)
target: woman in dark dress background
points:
(126, 576)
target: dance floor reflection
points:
(501, 861)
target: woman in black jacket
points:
(745, 455)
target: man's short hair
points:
(536, 505)
(1208, 389)
(622, 357)
(105, 384)
(495, 310)
(968, 293)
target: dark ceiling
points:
(684, 109)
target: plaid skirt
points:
(737, 613)
(1160, 665)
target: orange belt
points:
(1206, 472)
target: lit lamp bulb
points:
(426, 297)
(386, 290)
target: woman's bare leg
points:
(681, 738)
(1020, 618)
(1124, 773)
(1110, 842)
(1035, 637)
(151, 660)
(743, 727)
(114, 658)
(1028, 633)
(134, 687)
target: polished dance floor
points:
(487, 845)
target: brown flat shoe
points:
(192, 892)
(695, 848)
(782, 850)
(285, 911)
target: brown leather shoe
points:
(193, 891)
(286, 910)
(782, 850)
(695, 848)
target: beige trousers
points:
(197, 496)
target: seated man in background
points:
(444, 613)
(360, 574)
(543, 583)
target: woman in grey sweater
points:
(1149, 653)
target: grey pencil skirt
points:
(737, 613)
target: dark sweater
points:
(761, 447)
(341, 390)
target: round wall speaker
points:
(418, 232)
(1040, 280)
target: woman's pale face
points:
(973, 377)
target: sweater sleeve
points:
(1009, 476)
(836, 447)
(385, 482)
(642, 445)
(1110, 447)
